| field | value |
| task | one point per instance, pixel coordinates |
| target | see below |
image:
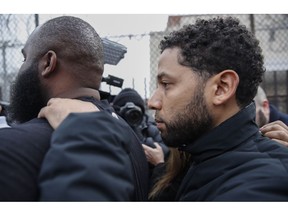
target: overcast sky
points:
(122, 17)
(136, 63)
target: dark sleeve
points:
(88, 160)
(22, 150)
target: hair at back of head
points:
(76, 42)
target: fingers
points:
(52, 100)
(42, 112)
(276, 125)
(279, 135)
(58, 109)
(157, 145)
(277, 131)
(154, 155)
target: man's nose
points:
(155, 102)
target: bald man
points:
(272, 123)
(63, 58)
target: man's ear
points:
(48, 63)
(266, 108)
(225, 86)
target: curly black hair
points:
(211, 46)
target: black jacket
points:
(22, 149)
(275, 115)
(233, 162)
(91, 159)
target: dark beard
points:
(190, 124)
(26, 96)
(261, 119)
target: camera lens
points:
(134, 117)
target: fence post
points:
(36, 20)
(252, 23)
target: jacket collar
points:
(224, 137)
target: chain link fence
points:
(14, 30)
(270, 29)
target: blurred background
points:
(131, 48)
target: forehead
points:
(169, 66)
(169, 55)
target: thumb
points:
(157, 145)
(42, 112)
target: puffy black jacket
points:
(234, 162)
(22, 149)
(94, 157)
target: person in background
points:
(130, 106)
(265, 111)
(271, 121)
(64, 58)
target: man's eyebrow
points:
(161, 75)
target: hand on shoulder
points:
(58, 109)
(277, 131)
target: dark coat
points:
(90, 159)
(275, 115)
(22, 149)
(233, 162)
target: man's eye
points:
(165, 84)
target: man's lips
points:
(159, 123)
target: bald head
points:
(76, 43)
(260, 96)
(262, 107)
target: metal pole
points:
(4, 46)
(252, 24)
(36, 20)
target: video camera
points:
(114, 81)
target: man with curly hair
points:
(208, 75)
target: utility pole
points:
(36, 20)
(252, 23)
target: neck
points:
(224, 112)
(80, 92)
